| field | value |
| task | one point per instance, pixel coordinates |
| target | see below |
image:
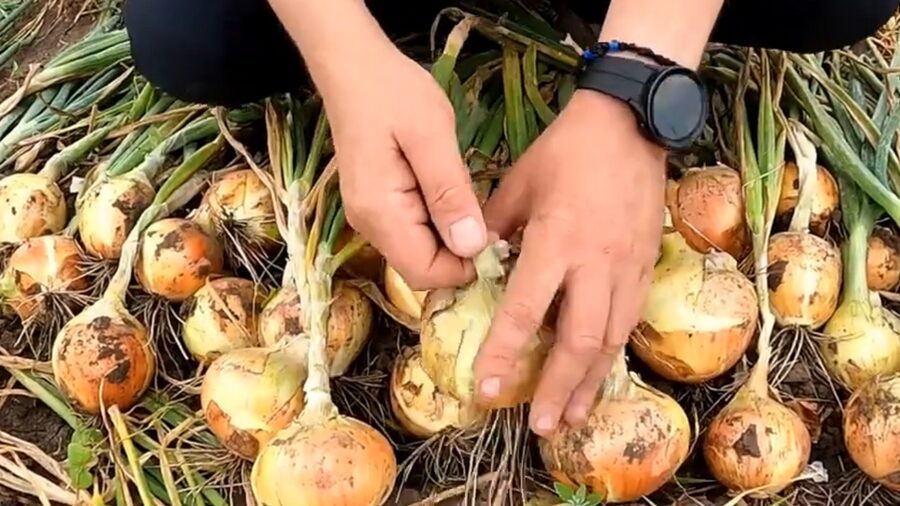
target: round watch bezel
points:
(654, 84)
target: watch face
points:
(677, 107)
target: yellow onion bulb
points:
(804, 277)
(825, 199)
(404, 298)
(42, 265)
(250, 394)
(861, 341)
(872, 429)
(339, 461)
(102, 357)
(756, 443)
(109, 211)
(421, 409)
(175, 259)
(633, 442)
(349, 323)
(241, 199)
(883, 260)
(707, 207)
(31, 205)
(695, 302)
(222, 317)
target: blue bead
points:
(614, 45)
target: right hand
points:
(401, 174)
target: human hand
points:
(401, 173)
(590, 193)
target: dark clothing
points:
(236, 51)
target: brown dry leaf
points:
(374, 293)
(809, 413)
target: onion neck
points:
(856, 288)
(618, 383)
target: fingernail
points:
(544, 425)
(490, 387)
(467, 236)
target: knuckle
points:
(584, 345)
(449, 197)
(521, 317)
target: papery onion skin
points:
(628, 448)
(696, 302)
(367, 263)
(421, 409)
(872, 429)
(825, 201)
(338, 462)
(756, 443)
(50, 263)
(30, 206)
(804, 277)
(707, 208)
(240, 197)
(106, 347)
(249, 394)
(349, 323)
(109, 211)
(883, 260)
(404, 298)
(176, 258)
(222, 317)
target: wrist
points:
(611, 118)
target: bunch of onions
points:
(707, 208)
(410, 302)
(696, 301)
(420, 408)
(883, 260)
(634, 440)
(455, 322)
(102, 357)
(823, 200)
(222, 317)
(872, 429)
(249, 394)
(176, 258)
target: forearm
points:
(675, 29)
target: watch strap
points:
(622, 78)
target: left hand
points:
(590, 194)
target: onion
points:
(804, 279)
(634, 440)
(824, 202)
(696, 302)
(43, 265)
(222, 317)
(349, 324)
(367, 263)
(707, 208)
(421, 409)
(455, 322)
(872, 429)
(883, 260)
(249, 394)
(31, 205)
(407, 300)
(108, 212)
(175, 259)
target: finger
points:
(532, 285)
(433, 155)
(506, 210)
(582, 325)
(624, 314)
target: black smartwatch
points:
(669, 100)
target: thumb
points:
(446, 187)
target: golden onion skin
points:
(30, 206)
(756, 443)
(804, 278)
(46, 264)
(696, 302)
(825, 201)
(350, 320)
(367, 263)
(629, 447)
(421, 409)
(222, 317)
(102, 357)
(883, 260)
(340, 461)
(249, 394)
(240, 197)
(407, 300)
(175, 259)
(707, 208)
(109, 211)
(872, 429)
